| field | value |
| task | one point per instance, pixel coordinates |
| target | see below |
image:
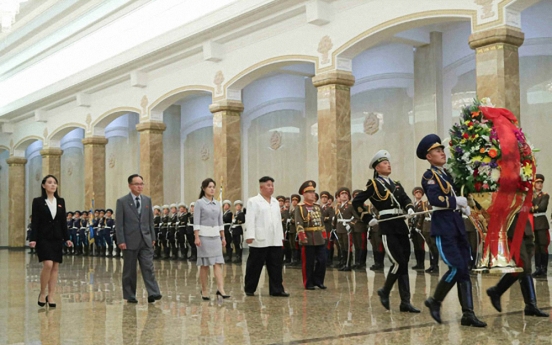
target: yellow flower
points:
(487, 159)
(527, 170)
(477, 158)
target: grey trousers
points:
(143, 255)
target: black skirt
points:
(50, 250)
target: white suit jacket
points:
(263, 222)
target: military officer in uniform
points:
(73, 231)
(473, 240)
(285, 225)
(525, 280)
(173, 254)
(360, 231)
(156, 229)
(98, 233)
(190, 234)
(416, 235)
(448, 229)
(70, 222)
(328, 212)
(312, 237)
(109, 230)
(391, 200)
(181, 230)
(163, 238)
(343, 223)
(103, 233)
(423, 224)
(542, 235)
(237, 231)
(227, 216)
(292, 234)
(84, 234)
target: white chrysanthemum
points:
(495, 174)
(486, 102)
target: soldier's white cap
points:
(173, 205)
(380, 156)
(165, 207)
(227, 202)
(238, 202)
(156, 207)
(182, 205)
(192, 204)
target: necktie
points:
(138, 204)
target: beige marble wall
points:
(171, 155)
(51, 164)
(34, 177)
(497, 66)
(310, 133)
(334, 129)
(151, 158)
(428, 92)
(94, 172)
(198, 161)
(227, 147)
(4, 198)
(17, 222)
(72, 175)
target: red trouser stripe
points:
(304, 265)
(364, 245)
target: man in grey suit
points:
(134, 226)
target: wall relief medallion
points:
(144, 105)
(324, 47)
(88, 122)
(219, 79)
(111, 161)
(372, 122)
(486, 8)
(276, 140)
(204, 152)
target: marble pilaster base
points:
(94, 172)
(16, 207)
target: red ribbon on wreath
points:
(504, 123)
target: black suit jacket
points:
(43, 226)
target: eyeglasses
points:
(137, 184)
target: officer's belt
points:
(225, 224)
(235, 225)
(427, 219)
(315, 228)
(345, 221)
(464, 216)
(391, 211)
(437, 208)
(540, 214)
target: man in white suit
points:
(134, 226)
(264, 234)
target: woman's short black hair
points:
(266, 179)
(44, 190)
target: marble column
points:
(497, 66)
(428, 94)
(151, 159)
(16, 193)
(227, 147)
(94, 171)
(334, 129)
(51, 163)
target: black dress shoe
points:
(249, 293)
(221, 295)
(321, 286)
(205, 298)
(50, 305)
(153, 298)
(281, 294)
(40, 304)
(495, 298)
(407, 307)
(384, 298)
(309, 287)
(132, 300)
(434, 309)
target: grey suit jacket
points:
(131, 227)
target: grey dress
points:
(208, 220)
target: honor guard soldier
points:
(69, 227)
(312, 237)
(284, 213)
(109, 230)
(391, 200)
(416, 235)
(295, 252)
(84, 234)
(181, 230)
(343, 223)
(156, 229)
(287, 202)
(360, 231)
(326, 200)
(74, 230)
(422, 224)
(28, 233)
(163, 238)
(525, 280)
(542, 235)
(227, 221)
(374, 235)
(447, 227)
(102, 233)
(97, 235)
(171, 236)
(237, 230)
(190, 233)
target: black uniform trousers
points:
(397, 247)
(314, 265)
(258, 257)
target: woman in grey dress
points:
(209, 237)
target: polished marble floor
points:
(91, 310)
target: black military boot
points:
(434, 302)
(363, 257)
(346, 262)
(329, 257)
(404, 291)
(157, 252)
(229, 257)
(183, 253)
(193, 257)
(238, 258)
(378, 265)
(174, 251)
(530, 297)
(496, 292)
(384, 292)
(167, 252)
(419, 255)
(544, 264)
(110, 251)
(433, 264)
(357, 259)
(468, 316)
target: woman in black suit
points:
(48, 235)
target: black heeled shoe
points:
(41, 304)
(205, 298)
(50, 305)
(223, 296)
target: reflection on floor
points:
(91, 310)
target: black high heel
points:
(51, 305)
(41, 304)
(205, 298)
(223, 296)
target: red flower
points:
(478, 186)
(465, 135)
(476, 173)
(450, 143)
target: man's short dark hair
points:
(266, 179)
(131, 177)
